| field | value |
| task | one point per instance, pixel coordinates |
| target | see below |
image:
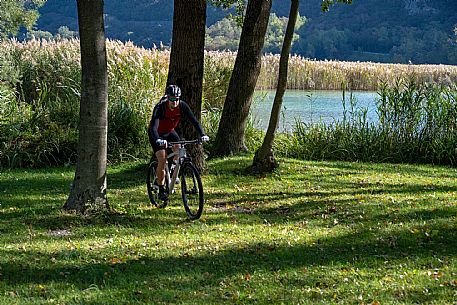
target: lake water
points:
(309, 106)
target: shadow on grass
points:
(15, 227)
(389, 168)
(351, 189)
(192, 270)
(128, 177)
(367, 245)
(305, 204)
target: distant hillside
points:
(145, 22)
(420, 31)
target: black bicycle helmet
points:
(173, 90)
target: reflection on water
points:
(309, 106)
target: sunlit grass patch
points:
(311, 232)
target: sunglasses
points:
(173, 99)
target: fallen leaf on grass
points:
(436, 274)
(115, 261)
(450, 283)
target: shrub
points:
(43, 101)
(40, 93)
(417, 123)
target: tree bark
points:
(88, 191)
(264, 159)
(186, 65)
(230, 135)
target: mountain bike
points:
(189, 178)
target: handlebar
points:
(184, 142)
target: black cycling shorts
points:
(170, 137)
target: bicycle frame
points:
(182, 155)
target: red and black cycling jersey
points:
(164, 119)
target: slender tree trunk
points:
(230, 135)
(264, 160)
(88, 190)
(186, 64)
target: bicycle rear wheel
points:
(153, 187)
(192, 190)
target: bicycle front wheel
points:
(192, 190)
(153, 187)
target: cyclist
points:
(166, 115)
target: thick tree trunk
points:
(264, 160)
(186, 64)
(88, 190)
(230, 135)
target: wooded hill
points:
(420, 31)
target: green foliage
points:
(392, 31)
(326, 4)
(421, 37)
(216, 80)
(310, 233)
(9, 74)
(430, 45)
(329, 43)
(368, 30)
(417, 123)
(136, 81)
(145, 22)
(17, 13)
(40, 129)
(275, 33)
(225, 34)
(37, 134)
(65, 33)
(238, 5)
(40, 87)
(39, 35)
(42, 101)
(210, 123)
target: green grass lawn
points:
(311, 233)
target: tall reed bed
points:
(305, 74)
(416, 123)
(337, 75)
(40, 127)
(40, 91)
(41, 102)
(137, 78)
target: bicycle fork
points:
(172, 180)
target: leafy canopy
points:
(327, 3)
(239, 5)
(225, 34)
(17, 13)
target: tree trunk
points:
(88, 191)
(230, 135)
(186, 65)
(264, 160)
